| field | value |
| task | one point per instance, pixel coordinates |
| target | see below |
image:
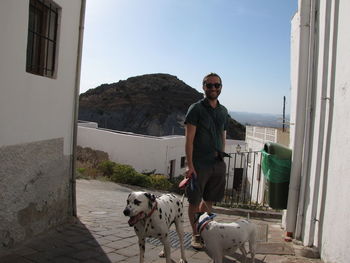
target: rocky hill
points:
(153, 104)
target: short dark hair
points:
(211, 75)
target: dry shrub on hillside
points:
(90, 156)
(88, 161)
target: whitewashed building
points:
(40, 55)
(257, 136)
(318, 211)
(163, 155)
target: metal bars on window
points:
(42, 37)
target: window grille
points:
(42, 37)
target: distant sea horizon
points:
(259, 119)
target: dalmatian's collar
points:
(155, 205)
(201, 225)
(142, 216)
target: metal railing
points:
(245, 184)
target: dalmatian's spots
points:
(137, 202)
(152, 217)
(231, 236)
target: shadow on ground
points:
(71, 242)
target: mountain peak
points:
(151, 104)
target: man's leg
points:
(192, 210)
(196, 242)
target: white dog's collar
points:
(201, 225)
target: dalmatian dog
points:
(152, 216)
(222, 239)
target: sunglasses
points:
(212, 85)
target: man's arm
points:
(190, 133)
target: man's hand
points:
(191, 172)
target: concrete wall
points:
(36, 116)
(34, 189)
(324, 191)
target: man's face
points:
(212, 88)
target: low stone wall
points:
(35, 190)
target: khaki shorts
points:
(210, 184)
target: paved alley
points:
(101, 234)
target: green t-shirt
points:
(208, 137)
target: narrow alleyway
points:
(101, 234)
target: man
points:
(206, 123)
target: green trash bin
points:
(276, 165)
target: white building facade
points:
(39, 80)
(163, 155)
(318, 211)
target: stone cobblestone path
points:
(101, 234)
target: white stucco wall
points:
(34, 108)
(144, 153)
(36, 116)
(327, 181)
(336, 225)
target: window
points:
(183, 162)
(42, 37)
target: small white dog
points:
(152, 216)
(222, 239)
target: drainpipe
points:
(327, 94)
(76, 104)
(302, 122)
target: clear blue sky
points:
(247, 42)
